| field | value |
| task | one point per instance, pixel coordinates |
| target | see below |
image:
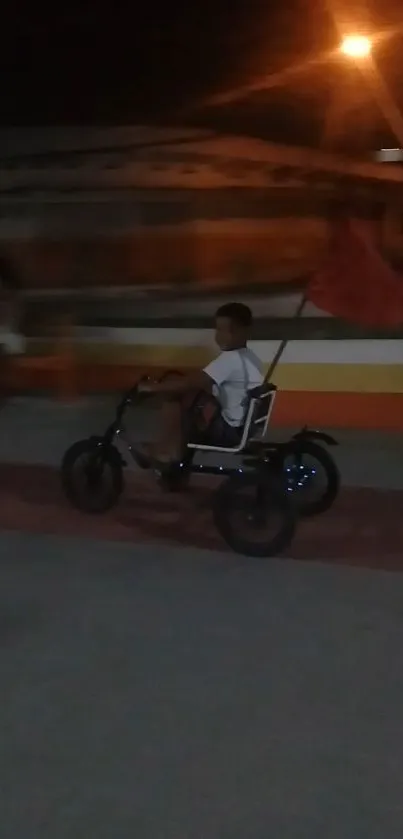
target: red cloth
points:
(356, 283)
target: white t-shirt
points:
(234, 372)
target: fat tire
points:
(223, 504)
(323, 457)
(111, 457)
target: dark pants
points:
(203, 421)
(219, 433)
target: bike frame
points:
(259, 454)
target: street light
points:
(355, 49)
(356, 46)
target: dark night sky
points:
(101, 62)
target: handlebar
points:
(167, 375)
(134, 394)
(134, 391)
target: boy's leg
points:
(172, 435)
(221, 434)
(170, 444)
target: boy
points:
(228, 378)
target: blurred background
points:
(155, 162)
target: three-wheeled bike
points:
(266, 487)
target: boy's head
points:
(233, 325)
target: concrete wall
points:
(90, 207)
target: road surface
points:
(158, 689)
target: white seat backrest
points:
(255, 427)
(259, 414)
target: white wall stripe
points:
(297, 352)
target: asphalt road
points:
(158, 694)
(174, 693)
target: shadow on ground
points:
(365, 526)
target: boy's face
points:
(229, 335)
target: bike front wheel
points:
(254, 514)
(92, 476)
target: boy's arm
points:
(195, 380)
(214, 374)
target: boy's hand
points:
(198, 380)
(147, 387)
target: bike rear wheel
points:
(312, 477)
